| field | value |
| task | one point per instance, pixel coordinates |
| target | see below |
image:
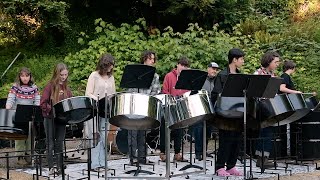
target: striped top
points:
(25, 95)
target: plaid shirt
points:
(154, 89)
(263, 71)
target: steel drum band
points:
(135, 111)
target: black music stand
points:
(3, 102)
(26, 114)
(137, 76)
(192, 79)
(258, 86)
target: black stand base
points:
(190, 166)
(138, 171)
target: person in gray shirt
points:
(198, 128)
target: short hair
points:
(105, 61)
(235, 53)
(288, 64)
(268, 57)
(147, 54)
(184, 61)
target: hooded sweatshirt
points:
(169, 83)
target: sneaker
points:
(234, 171)
(21, 161)
(178, 157)
(163, 157)
(199, 157)
(266, 163)
(222, 172)
(51, 171)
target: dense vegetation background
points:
(77, 32)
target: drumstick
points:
(308, 93)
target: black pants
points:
(229, 148)
(137, 144)
(177, 138)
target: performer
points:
(289, 68)
(137, 138)
(229, 143)
(269, 62)
(56, 90)
(198, 128)
(100, 82)
(24, 92)
(169, 84)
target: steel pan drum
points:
(74, 110)
(135, 111)
(230, 107)
(275, 110)
(300, 107)
(230, 113)
(7, 128)
(311, 102)
(190, 110)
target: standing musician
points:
(169, 84)
(56, 90)
(269, 63)
(229, 145)
(198, 128)
(137, 138)
(100, 82)
(24, 92)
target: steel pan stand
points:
(190, 165)
(30, 114)
(252, 86)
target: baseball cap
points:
(213, 65)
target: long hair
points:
(55, 80)
(105, 61)
(28, 72)
(147, 54)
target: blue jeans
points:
(198, 136)
(264, 144)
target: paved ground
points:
(15, 170)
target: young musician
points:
(24, 92)
(100, 82)
(169, 84)
(137, 138)
(229, 143)
(269, 63)
(56, 90)
(198, 128)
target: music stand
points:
(135, 76)
(258, 86)
(28, 114)
(3, 102)
(193, 79)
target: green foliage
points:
(41, 67)
(128, 41)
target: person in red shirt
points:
(169, 84)
(56, 90)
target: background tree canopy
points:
(79, 31)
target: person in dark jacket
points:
(198, 128)
(229, 143)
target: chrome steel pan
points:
(135, 111)
(74, 110)
(190, 110)
(7, 128)
(275, 110)
(300, 107)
